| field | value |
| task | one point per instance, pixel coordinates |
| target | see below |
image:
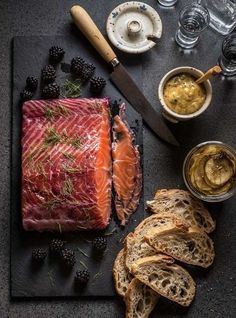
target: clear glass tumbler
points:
(227, 60)
(167, 3)
(193, 19)
(222, 15)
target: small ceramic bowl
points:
(167, 112)
(192, 189)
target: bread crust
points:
(181, 202)
(121, 275)
(166, 278)
(140, 300)
(188, 245)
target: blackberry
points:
(56, 246)
(39, 254)
(26, 95)
(48, 74)
(97, 84)
(87, 72)
(82, 277)
(56, 54)
(51, 91)
(77, 65)
(31, 83)
(68, 257)
(100, 243)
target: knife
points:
(120, 77)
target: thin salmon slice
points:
(66, 165)
(127, 175)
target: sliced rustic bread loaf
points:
(140, 300)
(181, 202)
(188, 245)
(135, 245)
(166, 278)
(122, 276)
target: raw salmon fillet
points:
(127, 174)
(66, 164)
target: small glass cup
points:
(167, 3)
(193, 20)
(227, 60)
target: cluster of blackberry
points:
(78, 67)
(30, 88)
(67, 256)
(51, 89)
(48, 76)
(85, 71)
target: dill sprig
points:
(71, 169)
(76, 142)
(67, 187)
(111, 232)
(96, 276)
(51, 203)
(51, 278)
(83, 264)
(82, 252)
(71, 89)
(58, 110)
(68, 156)
(52, 137)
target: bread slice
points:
(181, 202)
(135, 245)
(188, 245)
(166, 278)
(140, 300)
(122, 276)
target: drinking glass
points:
(222, 15)
(193, 19)
(227, 60)
(167, 3)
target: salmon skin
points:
(127, 175)
(66, 164)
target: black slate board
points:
(30, 54)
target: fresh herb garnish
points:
(51, 203)
(58, 110)
(71, 89)
(111, 232)
(67, 187)
(71, 169)
(52, 137)
(82, 252)
(51, 278)
(96, 276)
(76, 142)
(68, 156)
(83, 264)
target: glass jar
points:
(188, 163)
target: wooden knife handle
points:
(85, 23)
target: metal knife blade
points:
(124, 82)
(120, 77)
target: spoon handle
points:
(212, 71)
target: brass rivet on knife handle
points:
(86, 25)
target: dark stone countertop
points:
(51, 17)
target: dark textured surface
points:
(216, 295)
(30, 54)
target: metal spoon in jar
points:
(212, 71)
